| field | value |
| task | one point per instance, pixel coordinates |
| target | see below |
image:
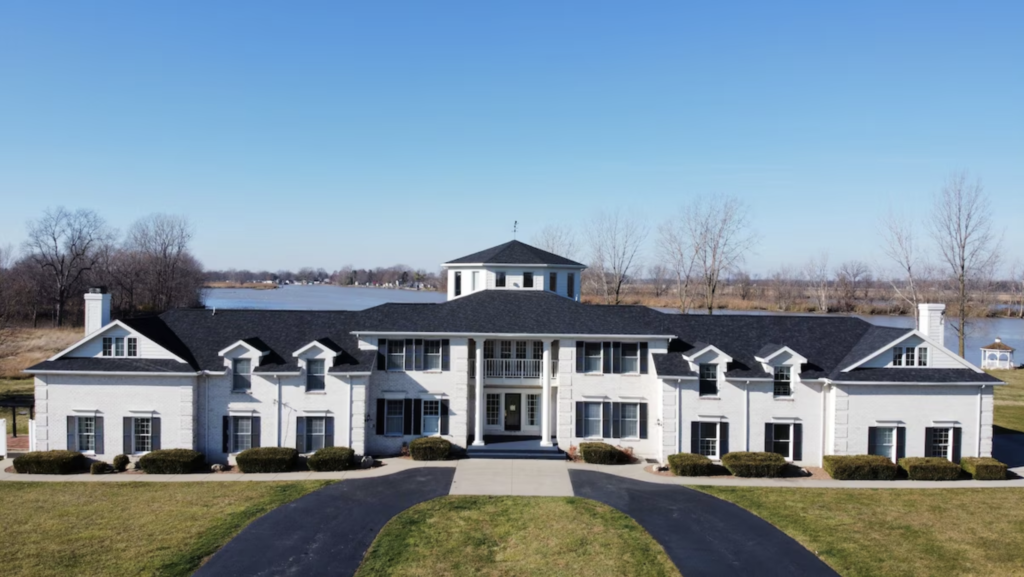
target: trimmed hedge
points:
(744, 464)
(331, 459)
(984, 468)
(930, 469)
(99, 468)
(860, 467)
(689, 465)
(121, 463)
(602, 454)
(429, 449)
(50, 463)
(267, 460)
(171, 462)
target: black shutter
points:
(769, 439)
(255, 442)
(446, 355)
(155, 433)
(606, 420)
(417, 416)
(901, 442)
(579, 357)
(606, 365)
(226, 434)
(928, 441)
(410, 355)
(407, 418)
(382, 349)
(418, 345)
(957, 437)
(643, 358)
(694, 437)
(579, 418)
(126, 435)
(328, 431)
(72, 434)
(872, 435)
(300, 434)
(99, 436)
(723, 439)
(616, 420)
(380, 416)
(616, 357)
(444, 417)
(798, 442)
(643, 420)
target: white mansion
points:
(511, 353)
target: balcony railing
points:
(512, 368)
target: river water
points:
(326, 297)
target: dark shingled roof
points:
(672, 365)
(515, 252)
(907, 375)
(116, 365)
(768, 350)
(872, 340)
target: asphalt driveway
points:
(703, 535)
(328, 531)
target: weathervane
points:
(515, 229)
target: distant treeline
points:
(393, 276)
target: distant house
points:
(511, 354)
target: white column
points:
(545, 397)
(478, 429)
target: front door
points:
(513, 411)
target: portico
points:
(513, 386)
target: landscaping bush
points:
(984, 468)
(267, 460)
(50, 463)
(744, 464)
(930, 469)
(121, 463)
(99, 468)
(171, 462)
(331, 459)
(860, 467)
(429, 449)
(689, 465)
(602, 454)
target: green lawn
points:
(898, 532)
(16, 389)
(514, 536)
(127, 528)
(1009, 409)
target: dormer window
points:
(708, 380)
(499, 279)
(120, 347)
(527, 280)
(910, 356)
(315, 373)
(783, 382)
(241, 370)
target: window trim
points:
(949, 442)
(401, 366)
(135, 435)
(78, 434)
(792, 443)
(498, 409)
(128, 346)
(235, 420)
(776, 381)
(599, 357)
(895, 441)
(717, 438)
(600, 420)
(310, 435)
(322, 375)
(912, 357)
(622, 419)
(702, 379)
(401, 417)
(235, 375)
(424, 416)
(532, 410)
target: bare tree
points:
(7, 291)
(783, 288)
(658, 275)
(1017, 289)
(163, 240)
(557, 239)
(818, 276)
(677, 249)
(615, 244)
(719, 232)
(961, 226)
(898, 243)
(66, 244)
(744, 285)
(849, 277)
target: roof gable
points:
(887, 347)
(515, 252)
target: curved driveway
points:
(328, 531)
(702, 535)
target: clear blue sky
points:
(331, 133)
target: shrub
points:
(121, 463)
(50, 463)
(689, 465)
(602, 454)
(743, 464)
(860, 467)
(984, 468)
(99, 468)
(331, 459)
(930, 469)
(267, 460)
(429, 449)
(171, 462)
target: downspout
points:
(981, 391)
(277, 378)
(679, 416)
(350, 419)
(206, 409)
(824, 440)
(746, 416)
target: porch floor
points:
(511, 448)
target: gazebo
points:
(998, 355)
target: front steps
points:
(524, 449)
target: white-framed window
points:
(592, 420)
(527, 280)
(782, 440)
(120, 347)
(537, 350)
(629, 421)
(922, 356)
(531, 409)
(910, 356)
(396, 355)
(506, 349)
(316, 433)
(630, 363)
(315, 375)
(241, 370)
(431, 417)
(142, 435)
(86, 434)
(493, 409)
(458, 283)
(488, 349)
(133, 346)
(942, 443)
(241, 434)
(499, 279)
(520, 349)
(432, 355)
(394, 417)
(707, 439)
(884, 443)
(592, 358)
(783, 384)
(708, 380)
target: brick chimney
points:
(97, 309)
(931, 321)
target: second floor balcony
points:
(512, 370)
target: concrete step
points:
(536, 455)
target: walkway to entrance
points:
(511, 477)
